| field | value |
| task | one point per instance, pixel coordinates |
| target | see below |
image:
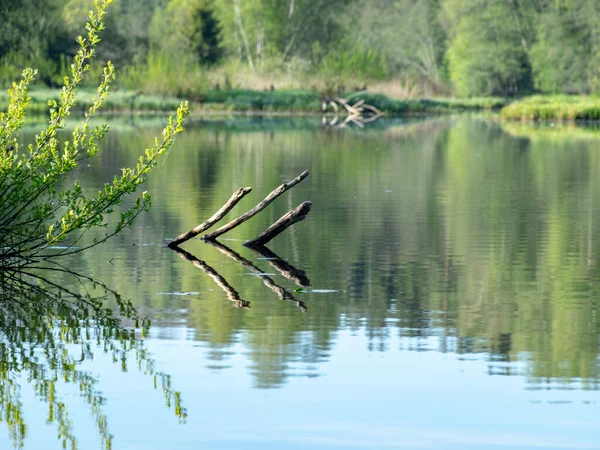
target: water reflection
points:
(459, 236)
(48, 332)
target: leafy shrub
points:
(37, 209)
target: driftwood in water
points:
(235, 198)
(355, 112)
(258, 208)
(231, 293)
(285, 221)
(283, 267)
(281, 292)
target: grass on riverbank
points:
(272, 102)
(310, 102)
(553, 107)
(118, 101)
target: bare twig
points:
(235, 198)
(258, 208)
(285, 221)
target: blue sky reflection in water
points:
(466, 253)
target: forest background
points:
(402, 48)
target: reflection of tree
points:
(46, 332)
(486, 243)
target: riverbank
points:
(553, 107)
(260, 102)
(308, 102)
(117, 102)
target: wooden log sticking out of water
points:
(281, 292)
(258, 208)
(231, 293)
(355, 113)
(233, 200)
(283, 267)
(285, 221)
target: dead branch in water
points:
(231, 293)
(235, 198)
(258, 208)
(285, 221)
(355, 112)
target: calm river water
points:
(454, 297)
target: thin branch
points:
(285, 221)
(235, 198)
(258, 208)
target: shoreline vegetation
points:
(282, 57)
(247, 101)
(309, 102)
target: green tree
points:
(31, 34)
(37, 209)
(487, 53)
(381, 24)
(206, 35)
(187, 29)
(565, 57)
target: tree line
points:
(461, 47)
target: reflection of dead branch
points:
(283, 267)
(285, 221)
(355, 113)
(279, 226)
(231, 293)
(281, 292)
(258, 208)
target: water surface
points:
(453, 302)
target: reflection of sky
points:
(363, 400)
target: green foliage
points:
(486, 55)
(206, 35)
(441, 47)
(565, 56)
(245, 100)
(37, 210)
(556, 107)
(187, 29)
(41, 206)
(360, 64)
(408, 34)
(166, 74)
(119, 101)
(31, 35)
